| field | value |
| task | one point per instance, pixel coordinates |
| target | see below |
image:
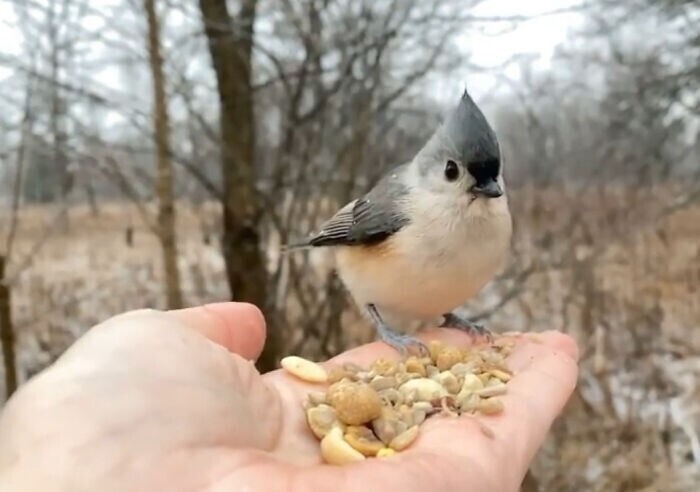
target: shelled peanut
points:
(377, 411)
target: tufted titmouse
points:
(430, 234)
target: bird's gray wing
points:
(367, 220)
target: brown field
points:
(633, 305)
(78, 278)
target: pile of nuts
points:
(377, 411)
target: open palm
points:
(171, 401)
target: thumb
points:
(238, 326)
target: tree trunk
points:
(7, 336)
(231, 53)
(58, 118)
(91, 196)
(164, 176)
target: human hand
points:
(171, 401)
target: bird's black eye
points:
(451, 171)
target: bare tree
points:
(7, 336)
(164, 174)
(7, 330)
(230, 46)
(60, 46)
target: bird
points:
(429, 235)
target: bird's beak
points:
(488, 188)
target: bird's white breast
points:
(445, 256)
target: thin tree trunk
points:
(18, 185)
(58, 118)
(7, 336)
(164, 177)
(92, 199)
(231, 53)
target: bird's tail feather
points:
(295, 246)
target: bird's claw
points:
(400, 341)
(459, 323)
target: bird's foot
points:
(399, 341)
(453, 320)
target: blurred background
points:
(157, 153)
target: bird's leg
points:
(399, 341)
(456, 321)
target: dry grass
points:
(633, 305)
(89, 273)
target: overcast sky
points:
(537, 37)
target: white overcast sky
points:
(537, 37)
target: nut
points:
(494, 390)
(315, 398)
(461, 369)
(364, 376)
(355, 403)
(336, 451)
(467, 401)
(425, 389)
(321, 420)
(363, 440)
(304, 369)
(431, 370)
(385, 453)
(490, 406)
(448, 381)
(406, 415)
(435, 347)
(389, 425)
(448, 357)
(391, 396)
(493, 358)
(421, 410)
(377, 412)
(494, 382)
(473, 358)
(425, 406)
(405, 439)
(472, 383)
(410, 397)
(418, 415)
(502, 375)
(380, 383)
(414, 365)
(403, 376)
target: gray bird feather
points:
(378, 215)
(368, 220)
(471, 133)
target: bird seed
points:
(377, 412)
